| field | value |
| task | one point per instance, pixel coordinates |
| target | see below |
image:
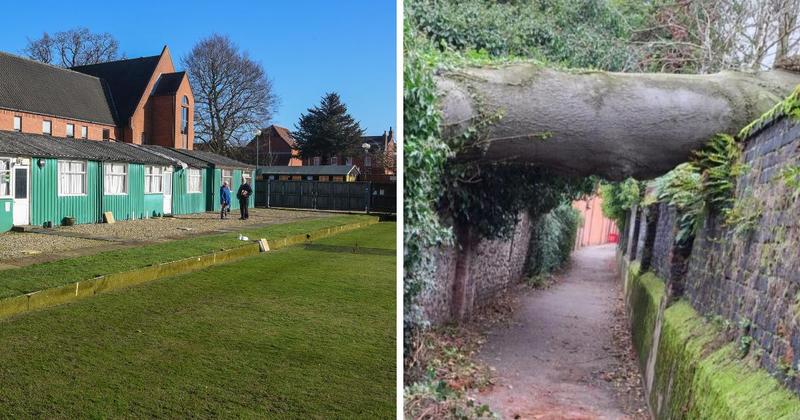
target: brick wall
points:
(164, 118)
(666, 230)
(751, 277)
(32, 123)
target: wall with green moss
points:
(691, 369)
(748, 272)
(742, 264)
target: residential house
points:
(377, 162)
(274, 147)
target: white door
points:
(167, 180)
(21, 195)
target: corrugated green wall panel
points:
(236, 183)
(183, 202)
(6, 216)
(46, 205)
(252, 203)
(131, 205)
(153, 205)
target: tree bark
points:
(461, 302)
(598, 123)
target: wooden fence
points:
(327, 195)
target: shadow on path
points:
(558, 358)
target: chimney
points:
(385, 139)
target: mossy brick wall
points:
(753, 276)
(493, 266)
(748, 276)
(691, 370)
(666, 230)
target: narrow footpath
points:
(567, 353)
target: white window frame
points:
(148, 178)
(335, 160)
(68, 134)
(84, 132)
(5, 177)
(124, 175)
(17, 123)
(227, 178)
(368, 161)
(349, 161)
(49, 128)
(194, 173)
(61, 173)
(317, 160)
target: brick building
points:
(140, 100)
(379, 161)
(275, 147)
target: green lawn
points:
(297, 332)
(18, 281)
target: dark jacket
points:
(244, 192)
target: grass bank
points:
(298, 332)
(57, 273)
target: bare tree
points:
(74, 47)
(705, 36)
(233, 95)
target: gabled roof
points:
(215, 159)
(176, 156)
(13, 143)
(35, 87)
(126, 80)
(329, 170)
(283, 133)
(275, 132)
(168, 83)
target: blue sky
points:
(308, 48)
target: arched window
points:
(185, 101)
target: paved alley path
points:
(557, 359)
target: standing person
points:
(225, 200)
(244, 197)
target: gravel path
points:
(185, 225)
(20, 245)
(60, 240)
(561, 357)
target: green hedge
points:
(552, 240)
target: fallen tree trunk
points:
(597, 123)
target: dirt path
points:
(567, 355)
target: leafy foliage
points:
(328, 130)
(619, 197)
(682, 188)
(425, 155)
(552, 240)
(703, 186)
(490, 197)
(744, 214)
(719, 162)
(575, 34)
